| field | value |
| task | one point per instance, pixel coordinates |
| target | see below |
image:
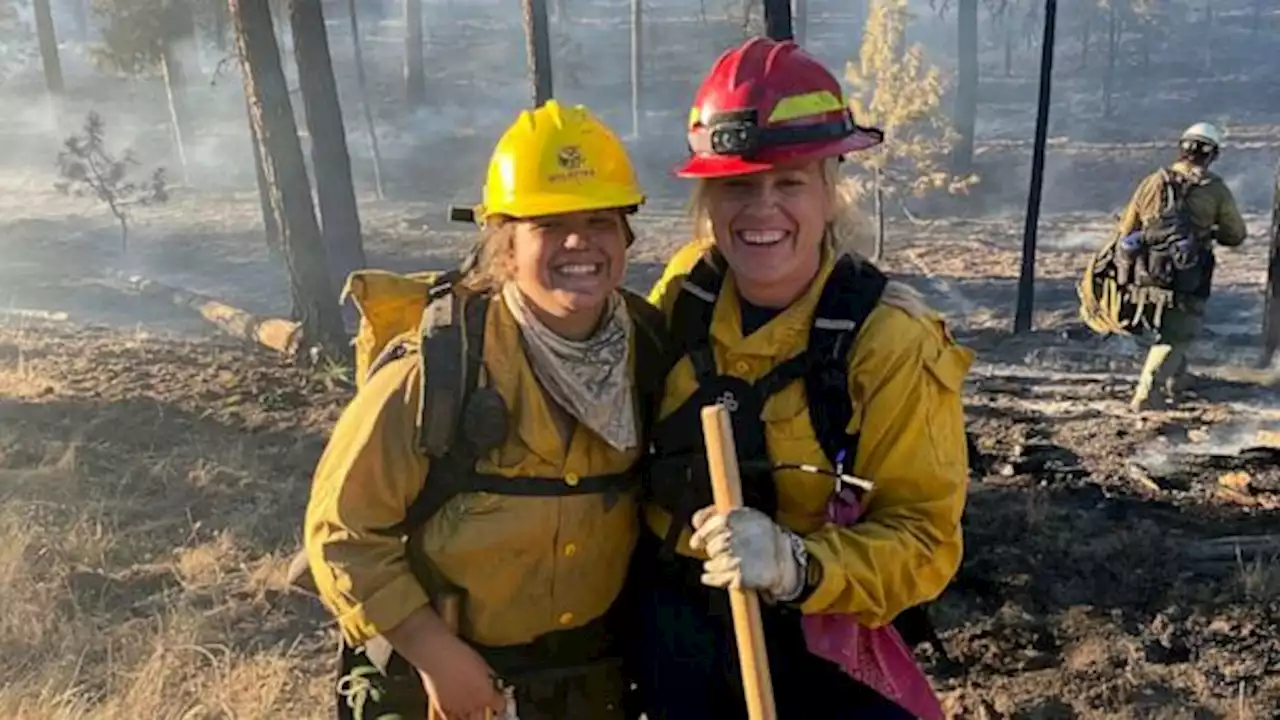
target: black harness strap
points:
(678, 474)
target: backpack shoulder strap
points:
(452, 352)
(653, 347)
(1176, 188)
(693, 309)
(851, 292)
(654, 354)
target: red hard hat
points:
(767, 102)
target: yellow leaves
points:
(895, 88)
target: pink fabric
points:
(877, 658)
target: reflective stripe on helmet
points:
(799, 106)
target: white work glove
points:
(746, 549)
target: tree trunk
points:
(1109, 77)
(1008, 45)
(271, 230)
(799, 19)
(637, 38)
(174, 84)
(1271, 307)
(1027, 268)
(48, 39)
(966, 116)
(362, 85)
(286, 174)
(415, 61)
(877, 251)
(339, 217)
(538, 49)
(220, 26)
(777, 20)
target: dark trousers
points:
(686, 660)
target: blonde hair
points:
(494, 250)
(847, 233)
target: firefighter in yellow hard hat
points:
(1164, 255)
(488, 455)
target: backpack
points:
(1169, 252)
(851, 293)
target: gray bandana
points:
(589, 378)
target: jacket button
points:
(570, 550)
(566, 618)
(742, 367)
(571, 479)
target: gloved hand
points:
(746, 549)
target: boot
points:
(1143, 397)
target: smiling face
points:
(769, 226)
(568, 265)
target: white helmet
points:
(1204, 132)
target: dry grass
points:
(144, 581)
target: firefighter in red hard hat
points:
(845, 393)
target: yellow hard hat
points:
(558, 159)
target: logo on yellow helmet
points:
(570, 158)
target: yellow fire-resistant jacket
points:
(528, 565)
(1209, 204)
(905, 378)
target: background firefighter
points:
(782, 324)
(1208, 214)
(538, 518)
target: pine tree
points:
(894, 88)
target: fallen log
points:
(1228, 549)
(278, 334)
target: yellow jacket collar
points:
(789, 329)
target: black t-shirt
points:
(755, 317)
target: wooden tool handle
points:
(748, 629)
(449, 607)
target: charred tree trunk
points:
(362, 85)
(538, 48)
(966, 116)
(777, 19)
(1027, 270)
(339, 217)
(1109, 76)
(1271, 312)
(1008, 45)
(637, 28)
(415, 61)
(175, 93)
(48, 39)
(315, 300)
